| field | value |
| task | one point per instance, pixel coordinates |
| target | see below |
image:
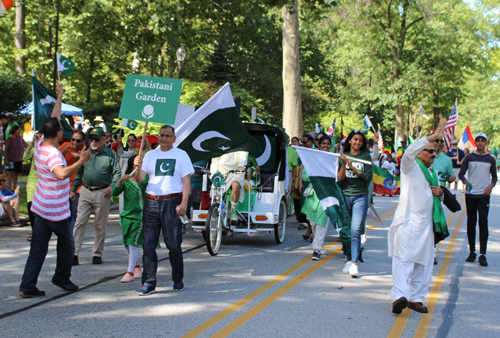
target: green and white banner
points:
(322, 168)
(150, 99)
(215, 129)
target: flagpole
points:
(337, 155)
(142, 140)
(59, 75)
(33, 95)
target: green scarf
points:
(437, 209)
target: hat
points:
(483, 135)
(87, 121)
(98, 131)
(98, 119)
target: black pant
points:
(160, 215)
(42, 231)
(475, 206)
(31, 216)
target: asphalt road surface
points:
(256, 288)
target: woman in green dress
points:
(131, 218)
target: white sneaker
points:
(346, 267)
(353, 270)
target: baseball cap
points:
(483, 135)
(98, 131)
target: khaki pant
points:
(92, 201)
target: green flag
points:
(322, 167)
(65, 65)
(217, 179)
(130, 124)
(43, 103)
(215, 129)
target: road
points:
(256, 288)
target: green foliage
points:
(16, 91)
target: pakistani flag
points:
(65, 65)
(130, 124)
(214, 129)
(217, 179)
(367, 124)
(322, 168)
(43, 103)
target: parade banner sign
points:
(150, 99)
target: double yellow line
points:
(231, 327)
(423, 327)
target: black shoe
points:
(96, 260)
(316, 256)
(65, 285)
(75, 260)
(146, 290)
(31, 293)
(482, 260)
(471, 258)
(179, 286)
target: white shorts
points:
(236, 177)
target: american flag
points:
(449, 130)
(380, 139)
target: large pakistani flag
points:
(215, 129)
(322, 168)
(43, 103)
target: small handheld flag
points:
(5, 5)
(331, 130)
(217, 179)
(130, 124)
(467, 140)
(380, 139)
(367, 124)
(65, 65)
(449, 129)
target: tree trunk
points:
(400, 111)
(91, 71)
(56, 45)
(292, 83)
(20, 40)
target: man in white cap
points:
(481, 178)
(100, 123)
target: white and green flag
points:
(65, 65)
(367, 124)
(215, 129)
(217, 179)
(130, 124)
(322, 168)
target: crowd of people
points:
(156, 186)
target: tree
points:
(292, 83)
(18, 89)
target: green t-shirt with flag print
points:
(444, 168)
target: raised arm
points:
(56, 112)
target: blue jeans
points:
(357, 206)
(160, 215)
(73, 205)
(42, 231)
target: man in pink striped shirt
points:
(51, 208)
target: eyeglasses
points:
(431, 151)
(454, 144)
(438, 141)
(95, 139)
(76, 140)
(306, 141)
(164, 135)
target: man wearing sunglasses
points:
(71, 152)
(97, 177)
(411, 235)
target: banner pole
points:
(142, 140)
(59, 76)
(33, 95)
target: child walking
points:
(131, 218)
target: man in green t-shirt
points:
(10, 123)
(443, 165)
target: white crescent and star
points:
(262, 159)
(63, 66)
(133, 125)
(164, 170)
(206, 136)
(329, 202)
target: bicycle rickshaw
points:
(265, 208)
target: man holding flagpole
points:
(411, 235)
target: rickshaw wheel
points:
(213, 230)
(279, 228)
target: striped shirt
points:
(51, 200)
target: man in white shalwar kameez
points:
(411, 236)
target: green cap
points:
(98, 131)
